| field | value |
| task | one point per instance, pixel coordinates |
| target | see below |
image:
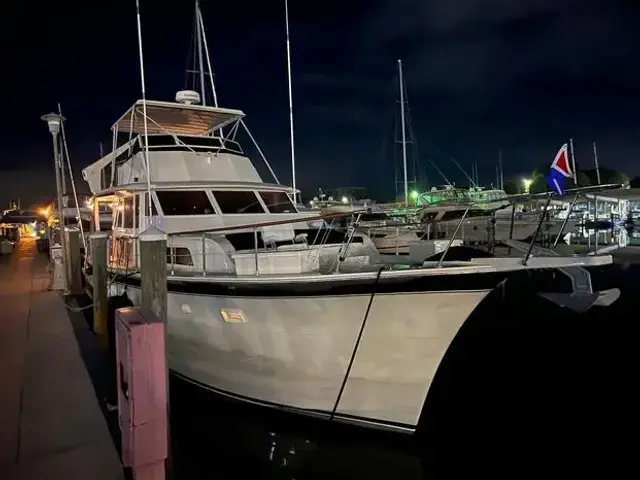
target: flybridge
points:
(175, 118)
(184, 141)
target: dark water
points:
(526, 388)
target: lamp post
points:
(54, 121)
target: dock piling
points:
(153, 283)
(98, 242)
(73, 261)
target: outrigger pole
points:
(144, 107)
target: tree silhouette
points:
(512, 186)
(607, 176)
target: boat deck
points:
(52, 426)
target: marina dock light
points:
(54, 121)
(345, 200)
(414, 194)
(526, 183)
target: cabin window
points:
(154, 209)
(238, 201)
(277, 202)
(127, 214)
(105, 177)
(136, 219)
(179, 256)
(184, 202)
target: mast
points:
(404, 134)
(144, 106)
(199, 35)
(595, 158)
(293, 151)
(573, 163)
(203, 38)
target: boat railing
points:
(274, 248)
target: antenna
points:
(473, 183)
(144, 106)
(595, 158)
(293, 150)
(404, 133)
(439, 171)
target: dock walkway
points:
(51, 426)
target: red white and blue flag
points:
(559, 170)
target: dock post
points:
(74, 263)
(99, 242)
(153, 283)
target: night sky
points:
(480, 75)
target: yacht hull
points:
(294, 351)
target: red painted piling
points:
(142, 392)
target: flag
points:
(559, 170)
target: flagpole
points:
(573, 163)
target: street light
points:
(526, 182)
(54, 121)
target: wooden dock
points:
(51, 425)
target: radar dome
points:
(188, 97)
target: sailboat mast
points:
(404, 134)
(199, 35)
(293, 154)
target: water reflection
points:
(606, 236)
(214, 436)
(536, 388)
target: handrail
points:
(268, 224)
